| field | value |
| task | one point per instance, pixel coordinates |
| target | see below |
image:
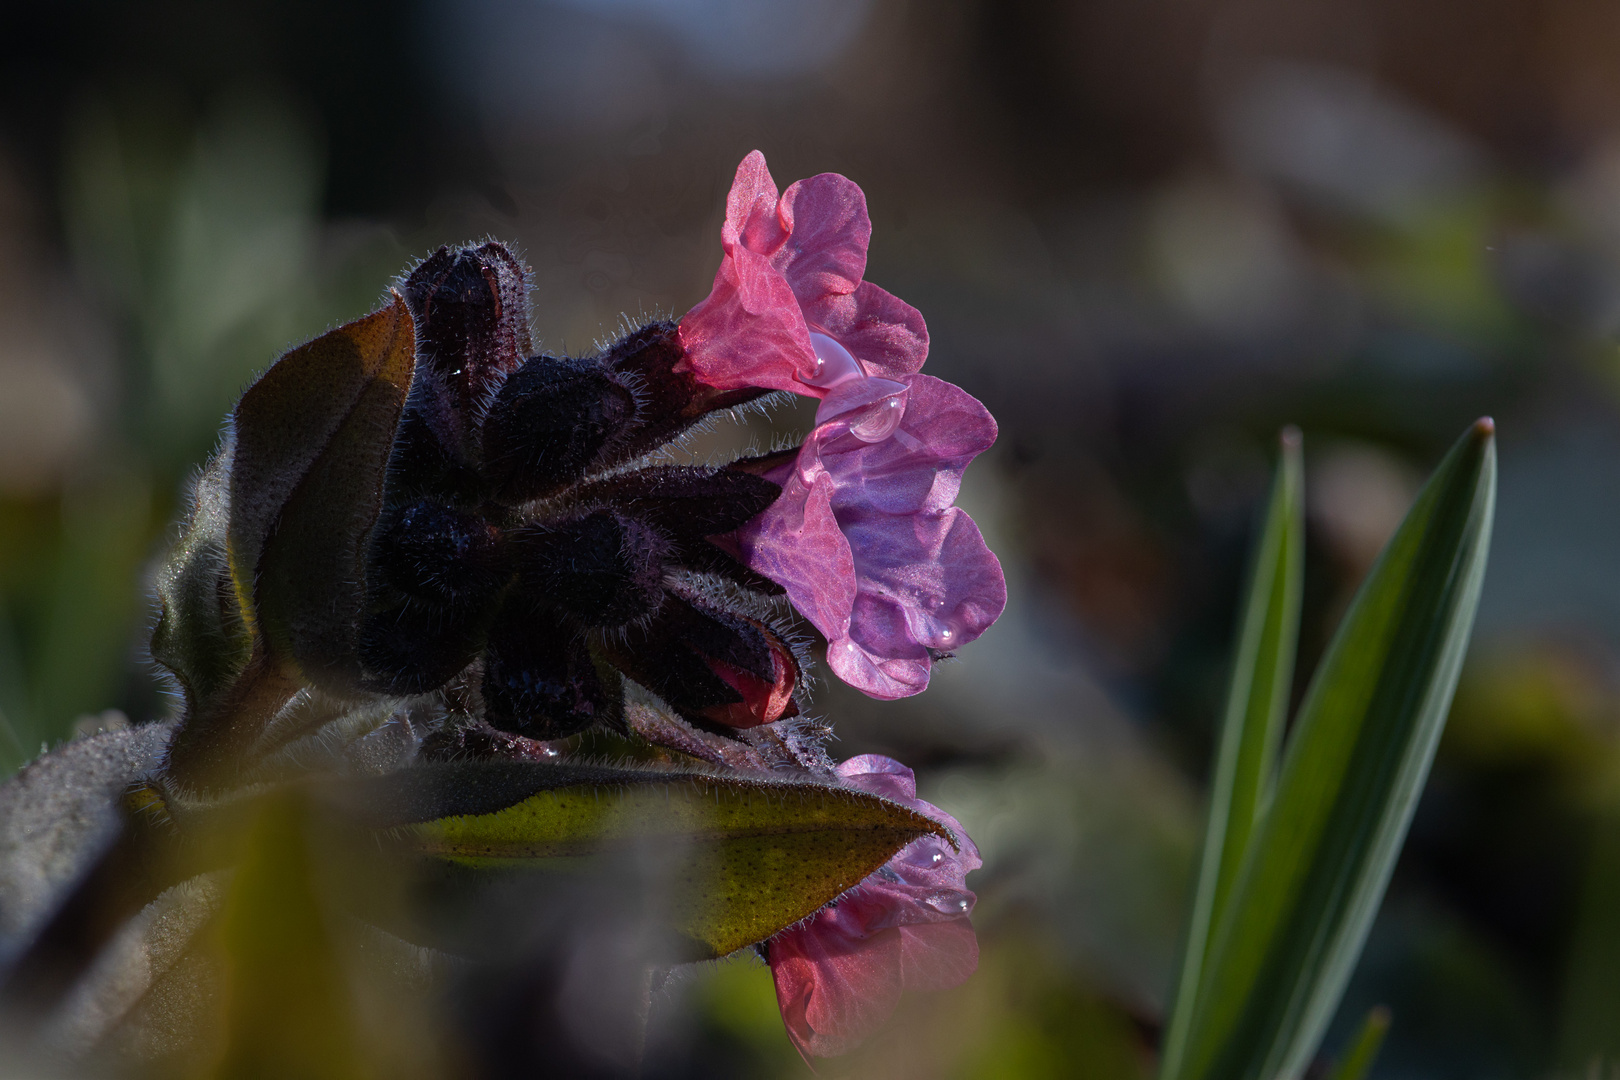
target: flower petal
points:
(925, 578)
(937, 956)
(824, 253)
(882, 331)
(751, 208)
(798, 545)
(748, 331)
(834, 989)
(839, 975)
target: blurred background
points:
(1147, 233)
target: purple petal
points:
(839, 975)
(866, 541)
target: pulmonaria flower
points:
(789, 309)
(864, 537)
(840, 974)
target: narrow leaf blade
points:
(1359, 1057)
(1350, 780)
(1251, 727)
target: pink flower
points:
(864, 537)
(789, 310)
(839, 975)
(866, 541)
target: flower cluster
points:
(870, 548)
(529, 555)
(517, 529)
(864, 537)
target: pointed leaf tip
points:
(747, 855)
(1352, 772)
(1485, 427)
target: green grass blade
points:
(1251, 728)
(1358, 1059)
(1351, 775)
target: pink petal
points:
(824, 254)
(937, 956)
(886, 334)
(798, 545)
(834, 990)
(751, 208)
(748, 331)
(839, 974)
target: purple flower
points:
(866, 541)
(864, 537)
(839, 974)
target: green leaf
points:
(1251, 729)
(749, 855)
(1351, 775)
(1358, 1059)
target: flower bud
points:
(414, 647)
(549, 425)
(439, 554)
(471, 310)
(714, 667)
(669, 398)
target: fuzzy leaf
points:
(201, 634)
(313, 438)
(747, 855)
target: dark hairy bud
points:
(414, 647)
(440, 555)
(550, 425)
(471, 310)
(714, 667)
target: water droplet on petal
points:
(948, 902)
(880, 420)
(834, 363)
(938, 857)
(870, 409)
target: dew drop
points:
(834, 363)
(948, 902)
(879, 421)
